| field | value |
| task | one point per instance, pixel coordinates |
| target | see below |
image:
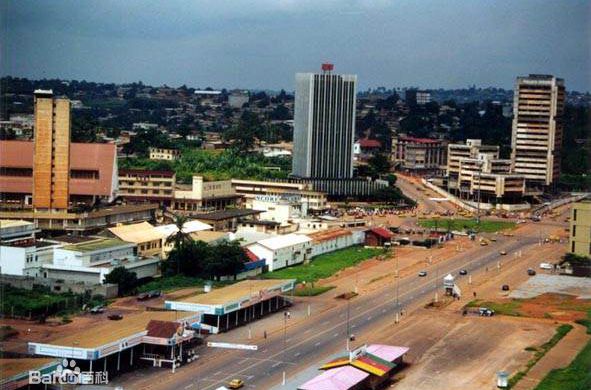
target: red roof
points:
(384, 233)
(162, 329)
(251, 256)
(100, 157)
(369, 143)
(420, 140)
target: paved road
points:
(322, 334)
(409, 188)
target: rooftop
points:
(284, 241)
(331, 234)
(137, 232)
(111, 331)
(237, 292)
(99, 243)
(225, 214)
(188, 227)
(12, 367)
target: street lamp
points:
(285, 317)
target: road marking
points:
(335, 335)
(326, 322)
(275, 365)
(369, 318)
(308, 331)
(296, 354)
(317, 344)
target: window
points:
(574, 214)
(572, 247)
(574, 231)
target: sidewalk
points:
(558, 357)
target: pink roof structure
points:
(341, 378)
(387, 352)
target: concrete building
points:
(580, 228)
(149, 241)
(205, 195)
(143, 185)
(415, 97)
(470, 149)
(324, 125)
(536, 138)
(51, 161)
(90, 259)
(419, 155)
(332, 240)
(283, 251)
(167, 154)
(310, 201)
(490, 177)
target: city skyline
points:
(205, 44)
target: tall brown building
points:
(51, 161)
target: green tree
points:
(226, 258)
(122, 277)
(379, 164)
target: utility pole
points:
(397, 290)
(285, 314)
(479, 183)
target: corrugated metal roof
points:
(284, 241)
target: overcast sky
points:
(261, 44)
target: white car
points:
(546, 266)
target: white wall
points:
(12, 260)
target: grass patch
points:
(176, 282)
(310, 291)
(510, 308)
(466, 224)
(325, 265)
(539, 353)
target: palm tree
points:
(180, 237)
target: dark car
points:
(463, 272)
(115, 317)
(531, 271)
(505, 287)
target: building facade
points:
(419, 154)
(580, 228)
(142, 185)
(536, 138)
(470, 149)
(164, 154)
(205, 195)
(51, 161)
(324, 125)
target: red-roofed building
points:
(377, 236)
(93, 172)
(365, 148)
(419, 155)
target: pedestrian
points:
(474, 293)
(265, 334)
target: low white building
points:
(90, 259)
(283, 251)
(332, 240)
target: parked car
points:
(486, 312)
(235, 383)
(422, 274)
(505, 287)
(115, 317)
(502, 253)
(546, 266)
(149, 295)
(531, 271)
(97, 309)
(463, 272)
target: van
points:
(546, 266)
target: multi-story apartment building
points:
(164, 154)
(324, 125)
(537, 128)
(419, 155)
(141, 185)
(580, 228)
